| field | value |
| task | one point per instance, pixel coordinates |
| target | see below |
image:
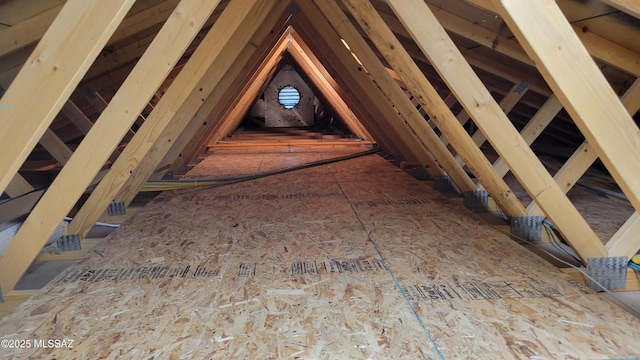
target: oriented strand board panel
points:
(349, 260)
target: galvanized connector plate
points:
(527, 228)
(116, 208)
(443, 184)
(476, 200)
(69, 243)
(607, 272)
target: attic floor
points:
(354, 259)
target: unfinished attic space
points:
(319, 179)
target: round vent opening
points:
(289, 97)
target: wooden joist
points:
(533, 129)
(330, 48)
(229, 119)
(631, 7)
(371, 106)
(577, 81)
(122, 111)
(62, 57)
(487, 115)
(371, 98)
(415, 80)
(598, 47)
(506, 104)
(18, 186)
(208, 120)
(382, 76)
(28, 31)
(174, 111)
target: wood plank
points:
(581, 87)
(77, 117)
(533, 129)
(210, 117)
(229, 119)
(631, 7)
(54, 69)
(106, 133)
(32, 29)
(500, 69)
(599, 47)
(507, 103)
(415, 80)
(626, 242)
(27, 31)
(382, 76)
(197, 79)
(372, 106)
(55, 146)
(371, 98)
(206, 120)
(18, 186)
(505, 139)
(375, 102)
(13, 299)
(330, 293)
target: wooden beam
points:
(450, 21)
(13, 299)
(598, 47)
(28, 31)
(578, 164)
(577, 81)
(134, 94)
(332, 58)
(208, 119)
(56, 147)
(232, 116)
(371, 99)
(205, 122)
(176, 108)
(32, 29)
(626, 242)
(416, 82)
(51, 73)
(631, 7)
(533, 129)
(327, 89)
(383, 77)
(506, 104)
(18, 186)
(487, 115)
(349, 79)
(77, 117)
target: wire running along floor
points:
(349, 260)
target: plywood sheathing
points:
(264, 287)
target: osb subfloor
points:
(310, 264)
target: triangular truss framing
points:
(240, 52)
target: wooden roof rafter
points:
(77, 174)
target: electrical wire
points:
(161, 185)
(617, 300)
(166, 185)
